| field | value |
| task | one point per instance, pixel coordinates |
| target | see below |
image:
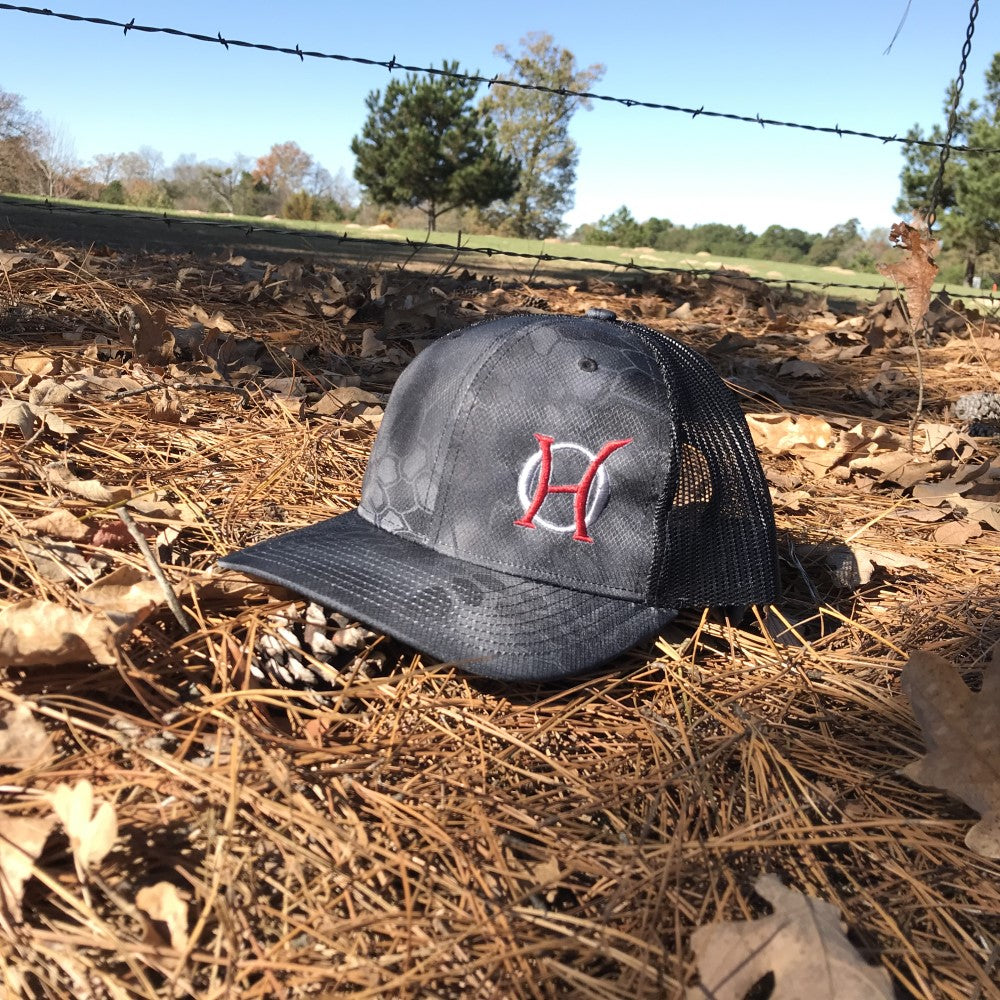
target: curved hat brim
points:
(482, 620)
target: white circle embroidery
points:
(600, 487)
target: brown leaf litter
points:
(183, 825)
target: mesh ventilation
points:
(717, 542)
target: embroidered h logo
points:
(595, 480)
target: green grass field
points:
(828, 278)
(651, 258)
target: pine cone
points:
(310, 648)
(978, 406)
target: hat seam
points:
(462, 418)
(668, 488)
(444, 445)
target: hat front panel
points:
(555, 470)
(403, 476)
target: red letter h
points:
(581, 489)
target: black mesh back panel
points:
(716, 540)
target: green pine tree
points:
(533, 129)
(425, 144)
(968, 202)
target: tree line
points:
(285, 181)
(845, 245)
(506, 162)
(502, 163)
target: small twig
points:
(183, 618)
(912, 327)
(444, 269)
(918, 412)
(194, 387)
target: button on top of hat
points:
(595, 313)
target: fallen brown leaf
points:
(801, 369)
(59, 523)
(35, 631)
(59, 474)
(21, 841)
(147, 333)
(23, 739)
(17, 414)
(956, 532)
(779, 433)
(92, 833)
(853, 566)
(802, 944)
(868, 558)
(934, 494)
(917, 270)
(37, 363)
(962, 732)
(60, 562)
(163, 902)
(981, 511)
(214, 322)
(124, 594)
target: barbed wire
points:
(248, 229)
(494, 81)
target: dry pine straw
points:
(420, 833)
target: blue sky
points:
(798, 61)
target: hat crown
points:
(582, 452)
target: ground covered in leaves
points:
(727, 809)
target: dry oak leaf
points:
(34, 631)
(956, 533)
(59, 474)
(21, 841)
(917, 270)
(17, 414)
(92, 833)
(214, 322)
(801, 943)
(962, 732)
(127, 596)
(853, 566)
(779, 433)
(164, 902)
(59, 523)
(26, 416)
(23, 739)
(148, 334)
(801, 369)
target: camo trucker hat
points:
(545, 492)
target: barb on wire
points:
(494, 81)
(247, 230)
(946, 147)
